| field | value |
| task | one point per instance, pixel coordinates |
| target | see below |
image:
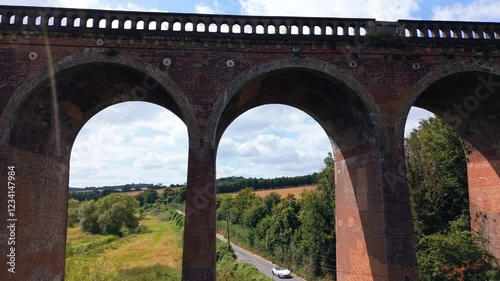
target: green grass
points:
(151, 255)
(156, 252)
(229, 269)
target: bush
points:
(73, 206)
(109, 214)
(229, 269)
(456, 255)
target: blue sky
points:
(140, 142)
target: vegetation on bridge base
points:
(437, 177)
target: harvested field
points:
(295, 191)
(133, 193)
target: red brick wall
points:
(484, 198)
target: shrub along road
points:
(261, 264)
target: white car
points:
(281, 272)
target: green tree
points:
(251, 216)
(317, 230)
(148, 196)
(244, 200)
(284, 225)
(271, 200)
(437, 176)
(117, 211)
(317, 234)
(168, 195)
(224, 203)
(88, 214)
(73, 206)
(181, 195)
(456, 254)
(109, 214)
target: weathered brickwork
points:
(357, 78)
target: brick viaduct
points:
(357, 78)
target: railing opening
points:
(259, 29)
(200, 27)
(248, 29)
(164, 25)
(283, 29)
(340, 30)
(236, 28)
(152, 25)
(189, 27)
(271, 29)
(212, 27)
(139, 25)
(306, 30)
(352, 31)
(127, 24)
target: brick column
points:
(198, 262)
(483, 168)
(41, 199)
(373, 220)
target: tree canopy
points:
(109, 214)
(437, 176)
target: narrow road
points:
(258, 262)
(261, 264)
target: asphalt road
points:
(261, 264)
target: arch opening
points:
(274, 153)
(467, 101)
(126, 149)
(275, 138)
(344, 115)
(45, 130)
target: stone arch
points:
(351, 119)
(183, 108)
(467, 97)
(433, 77)
(86, 83)
(307, 64)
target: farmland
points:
(283, 192)
(295, 191)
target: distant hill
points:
(235, 184)
(223, 185)
(125, 187)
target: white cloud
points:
(204, 9)
(215, 7)
(379, 9)
(477, 10)
(272, 141)
(130, 142)
(141, 142)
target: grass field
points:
(158, 251)
(152, 255)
